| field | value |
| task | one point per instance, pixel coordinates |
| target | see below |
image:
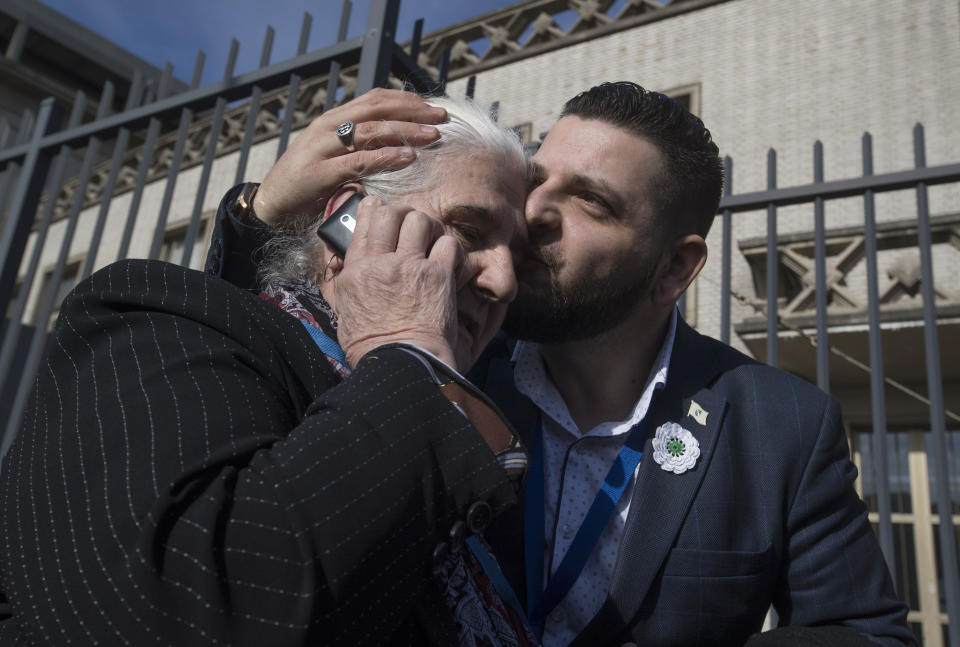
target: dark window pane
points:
(937, 556)
(62, 288)
(861, 443)
(898, 470)
(953, 465)
(917, 630)
(905, 566)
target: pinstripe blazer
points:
(768, 515)
(191, 471)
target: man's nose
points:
(541, 210)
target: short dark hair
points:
(690, 184)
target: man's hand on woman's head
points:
(387, 123)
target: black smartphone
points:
(337, 230)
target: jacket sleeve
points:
(835, 573)
(236, 244)
(175, 483)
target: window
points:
(174, 239)
(67, 280)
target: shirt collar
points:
(531, 379)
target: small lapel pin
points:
(698, 413)
(674, 448)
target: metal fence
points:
(817, 194)
(36, 158)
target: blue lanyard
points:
(542, 602)
(329, 347)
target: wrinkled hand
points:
(398, 283)
(386, 124)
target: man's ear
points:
(340, 197)
(688, 254)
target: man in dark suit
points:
(743, 496)
(199, 464)
(735, 491)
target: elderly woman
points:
(201, 464)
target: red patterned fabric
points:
(483, 618)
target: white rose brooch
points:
(674, 448)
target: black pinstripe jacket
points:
(191, 471)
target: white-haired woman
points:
(465, 179)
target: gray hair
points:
(292, 254)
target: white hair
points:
(294, 254)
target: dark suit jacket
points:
(767, 516)
(191, 471)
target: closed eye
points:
(468, 236)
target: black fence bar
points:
(146, 159)
(726, 253)
(294, 88)
(773, 265)
(415, 41)
(333, 80)
(877, 397)
(90, 156)
(442, 74)
(116, 163)
(820, 274)
(414, 78)
(38, 339)
(948, 546)
(378, 45)
(12, 170)
(208, 157)
(253, 109)
(26, 196)
(14, 322)
(183, 130)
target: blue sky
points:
(173, 30)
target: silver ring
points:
(345, 134)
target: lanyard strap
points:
(498, 580)
(540, 603)
(329, 347)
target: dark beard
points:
(581, 309)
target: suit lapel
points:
(661, 499)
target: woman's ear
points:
(341, 196)
(331, 262)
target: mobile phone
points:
(337, 230)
